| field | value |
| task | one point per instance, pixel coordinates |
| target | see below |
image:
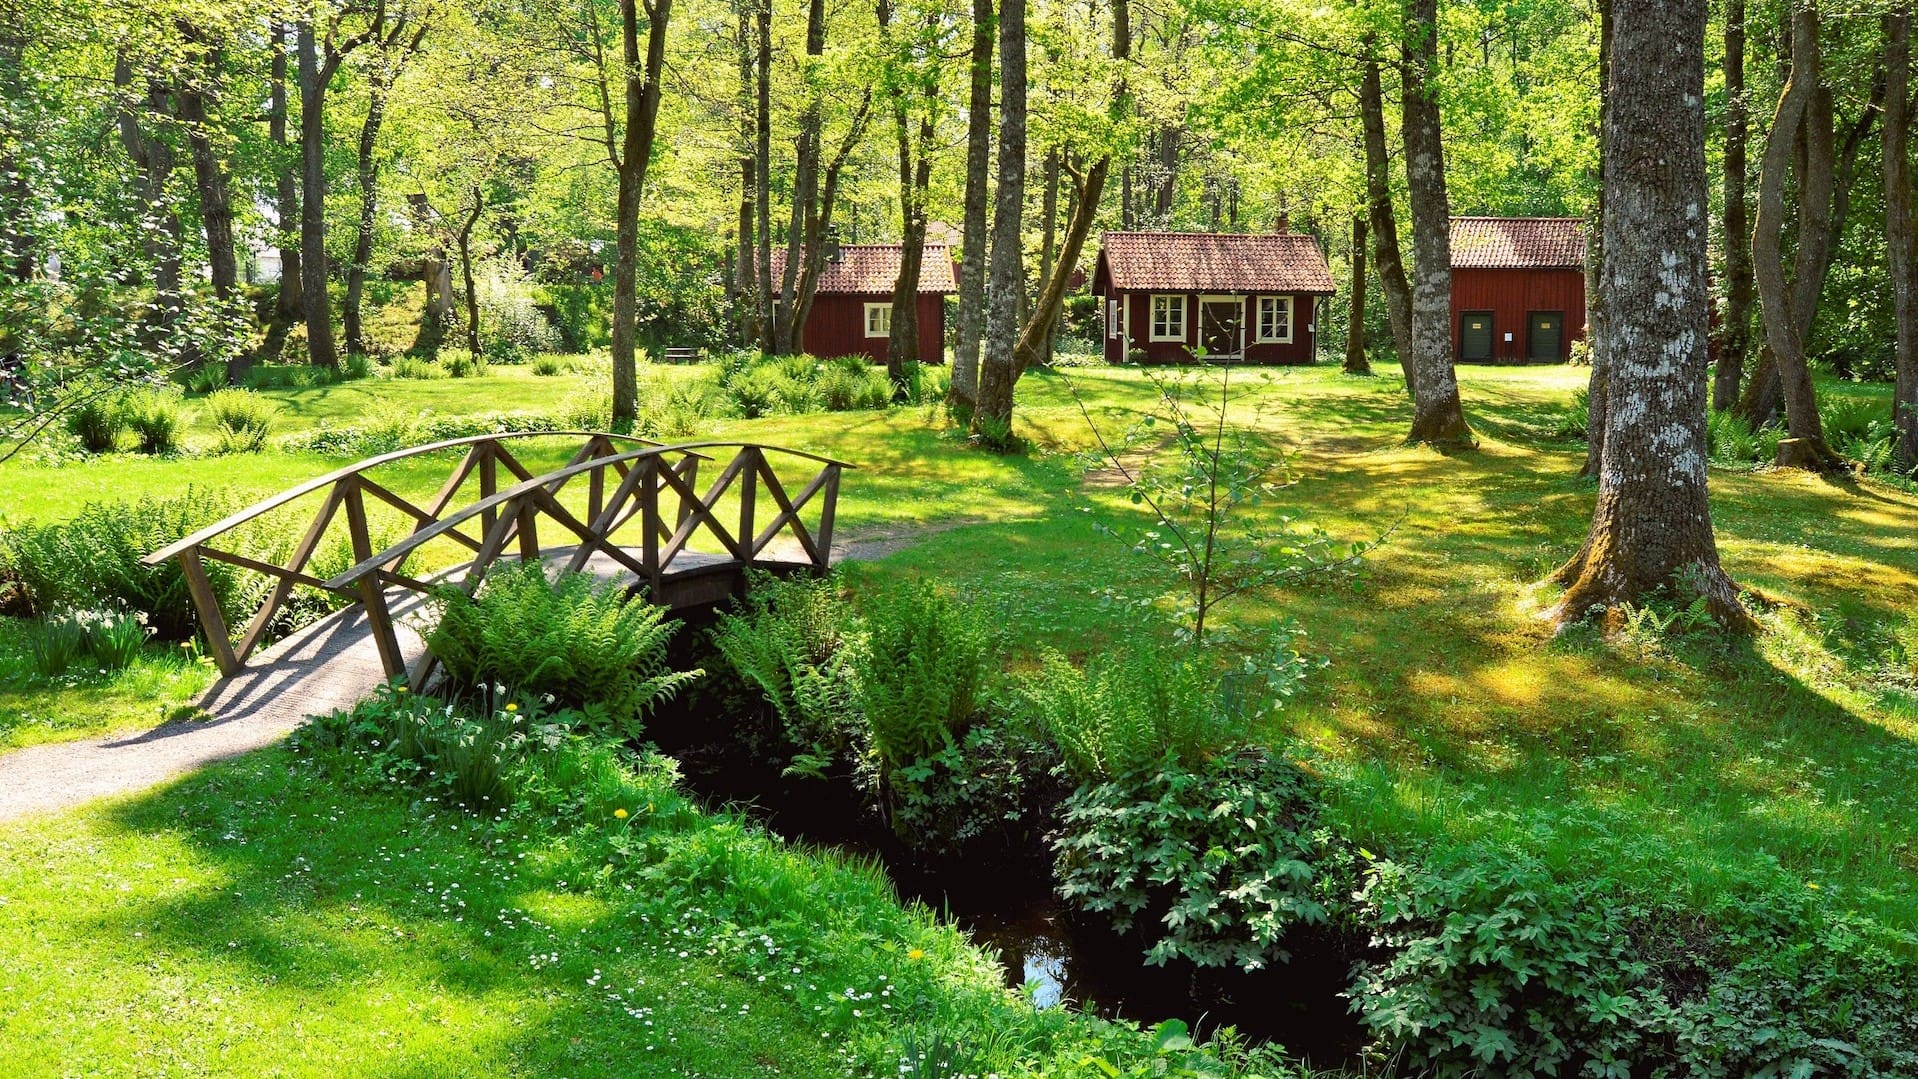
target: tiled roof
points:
(872, 269)
(1210, 261)
(1518, 243)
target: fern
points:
(791, 641)
(920, 676)
(1127, 712)
(582, 641)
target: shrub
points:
(298, 376)
(547, 365)
(206, 378)
(1576, 420)
(1846, 418)
(97, 423)
(416, 368)
(584, 642)
(355, 366)
(789, 641)
(511, 323)
(1213, 864)
(156, 420)
(425, 741)
(920, 676)
(94, 559)
(1495, 964)
(985, 794)
(459, 363)
(55, 645)
(241, 419)
(927, 385)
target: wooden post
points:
(528, 530)
(831, 493)
(207, 606)
(489, 483)
(379, 620)
(748, 492)
(649, 525)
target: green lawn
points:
(1448, 711)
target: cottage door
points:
(1221, 326)
(1546, 335)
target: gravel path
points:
(323, 668)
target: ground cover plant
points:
(1679, 766)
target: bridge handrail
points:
(396, 553)
(292, 494)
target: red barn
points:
(1518, 288)
(1251, 297)
(852, 309)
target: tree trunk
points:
(369, 177)
(1797, 106)
(18, 258)
(1734, 341)
(902, 344)
(745, 280)
(1652, 525)
(972, 265)
(819, 222)
(153, 166)
(320, 348)
(788, 334)
(1167, 188)
(290, 303)
(1437, 414)
(1048, 234)
(1901, 234)
(1356, 362)
(1596, 386)
(762, 158)
(1384, 223)
(210, 178)
(465, 243)
(636, 150)
(992, 419)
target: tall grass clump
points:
(843, 388)
(156, 419)
(588, 644)
(414, 367)
(98, 423)
(241, 420)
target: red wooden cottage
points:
(1250, 297)
(1518, 288)
(852, 309)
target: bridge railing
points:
(652, 490)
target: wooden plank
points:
(789, 513)
(748, 495)
(207, 606)
(489, 486)
(826, 511)
(650, 565)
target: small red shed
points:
(852, 308)
(1518, 288)
(1250, 297)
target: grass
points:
(1448, 712)
(160, 685)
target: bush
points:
(156, 420)
(94, 560)
(587, 644)
(512, 326)
(459, 363)
(1128, 711)
(547, 365)
(241, 419)
(928, 385)
(920, 676)
(415, 368)
(1495, 964)
(356, 366)
(291, 376)
(1576, 420)
(205, 379)
(97, 423)
(1213, 864)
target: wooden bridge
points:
(622, 507)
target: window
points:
(1168, 318)
(878, 320)
(1275, 319)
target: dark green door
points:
(1475, 335)
(1546, 334)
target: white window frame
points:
(1167, 300)
(1261, 324)
(885, 311)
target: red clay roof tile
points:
(1211, 261)
(1518, 243)
(872, 269)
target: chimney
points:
(1284, 224)
(832, 244)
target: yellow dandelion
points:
(1812, 884)
(512, 707)
(620, 813)
(400, 689)
(916, 954)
